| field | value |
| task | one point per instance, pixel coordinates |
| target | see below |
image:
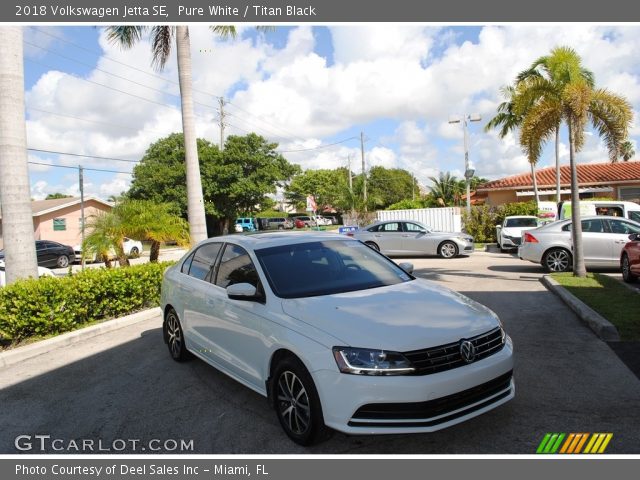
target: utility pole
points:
(469, 171)
(222, 115)
(353, 201)
(81, 184)
(364, 174)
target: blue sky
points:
(303, 87)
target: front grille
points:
(423, 413)
(514, 240)
(446, 357)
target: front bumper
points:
(357, 404)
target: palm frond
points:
(538, 127)
(611, 116)
(224, 31)
(161, 40)
(124, 35)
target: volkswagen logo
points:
(467, 351)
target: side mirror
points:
(407, 267)
(242, 291)
(634, 237)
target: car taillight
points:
(349, 234)
(528, 238)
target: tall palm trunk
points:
(579, 269)
(155, 251)
(558, 164)
(15, 198)
(535, 183)
(195, 204)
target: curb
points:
(20, 354)
(602, 327)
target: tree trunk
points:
(558, 199)
(155, 251)
(122, 258)
(195, 203)
(535, 184)
(579, 269)
(15, 191)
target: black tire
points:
(627, 276)
(372, 245)
(280, 227)
(297, 403)
(174, 338)
(557, 260)
(62, 261)
(448, 249)
(134, 252)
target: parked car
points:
(42, 272)
(299, 223)
(320, 220)
(602, 238)
(307, 220)
(509, 234)
(279, 223)
(51, 254)
(132, 248)
(335, 334)
(247, 224)
(630, 259)
(613, 208)
(407, 237)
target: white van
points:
(613, 208)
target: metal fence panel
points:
(447, 219)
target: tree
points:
(559, 68)
(329, 188)
(154, 222)
(54, 196)
(446, 189)
(507, 120)
(626, 151)
(391, 185)
(105, 234)
(161, 40)
(15, 201)
(576, 103)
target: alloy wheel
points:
(63, 261)
(174, 335)
(293, 403)
(557, 261)
(448, 250)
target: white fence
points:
(447, 219)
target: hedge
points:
(50, 306)
(482, 223)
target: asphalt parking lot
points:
(123, 385)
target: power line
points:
(84, 156)
(291, 135)
(318, 147)
(271, 133)
(76, 168)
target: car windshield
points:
(327, 267)
(521, 222)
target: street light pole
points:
(468, 170)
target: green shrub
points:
(49, 306)
(482, 224)
(408, 205)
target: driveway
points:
(123, 385)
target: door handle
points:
(405, 236)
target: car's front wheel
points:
(372, 245)
(448, 250)
(135, 253)
(297, 402)
(174, 337)
(627, 276)
(62, 261)
(557, 260)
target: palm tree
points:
(507, 120)
(446, 189)
(559, 68)
(154, 222)
(104, 235)
(15, 198)
(626, 151)
(576, 103)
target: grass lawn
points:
(609, 298)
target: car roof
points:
(266, 240)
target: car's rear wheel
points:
(174, 337)
(280, 227)
(557, 260)
(297, 402)
(372, 245)
(448, 249)
(627, 276)
(134, 252)
(62, 261)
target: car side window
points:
(635, 216)
(620, 226)
(375, 228)
(187, 264)
(203, 260)
(236, 267)
(593, 226)
(412, 227)
(391, 227)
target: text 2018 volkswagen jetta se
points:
(336, 334)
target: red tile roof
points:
(588, 174)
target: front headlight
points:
(365, 361)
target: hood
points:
(403, 317)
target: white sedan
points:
(42, 272)
(336, 335)
(132, 248)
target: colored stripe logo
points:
(573, 443)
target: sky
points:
(312, 90)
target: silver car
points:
(408, 237)
(602, 237)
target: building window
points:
(630, 194)
(59, 224)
